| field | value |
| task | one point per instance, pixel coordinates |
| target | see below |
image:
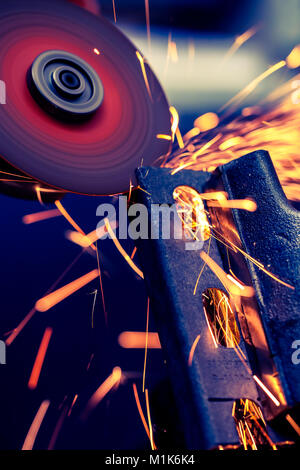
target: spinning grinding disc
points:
(80, 114)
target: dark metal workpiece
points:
(271, 235)
(269, 323)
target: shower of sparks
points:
(16, 331)
(153, 446)
(251, 426)
(35, 426)
(191, 212)
(50, 300)
(146, 343)
(39, 216)
(239, 97)
(142, 63)
(273, 124)
(192, 351)
(220, 318)
(39, 360)
(121, 250)
(269, 127)
(112, 381)
(230, 338)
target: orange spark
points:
(230, 143)
(73, 403)
(191, 133)
(139, 407)
(206, 146)
(246, 204)
(266, 390)
(175, 120)
(142, 63)
(112, 381)
(39, 216)
(38, 194)
(175, 126)
(146, 343)
(39, 360)
(192, 351)
(39, 190)
(239, 41)
(202, 269)
(153, 446)
(252, 85)
(173, 51)
(35, 426)
(50, 300)
(293, 424)
(87, 240)
(20, 327)
(57, 428)
(121, 249)
(179, 138)
(147, 12)
(228, 282)
(114, 10)
(101, 286)
(133, 252)
(293, 59)
(137, 340)
(70, 220)
(96, 51)
(206, 121)
(217, 195)
(164, 136)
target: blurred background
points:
(190, 40)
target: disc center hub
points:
(65, 85)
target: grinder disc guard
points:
(79, 115)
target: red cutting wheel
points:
(97, 152)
